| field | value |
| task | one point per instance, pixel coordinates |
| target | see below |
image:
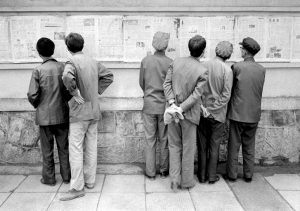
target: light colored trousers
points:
(182, 146)
(153, 125)
(83, 146)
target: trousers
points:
(182, 145)
(60, 134)
(154, 125)
(241, 133)
(83, 153)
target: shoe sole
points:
(71, 198)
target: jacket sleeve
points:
(196, 94)
(168, 85)
(225, 94)
(105, 78)
(34, 91)
(141, 78)
(69, 79)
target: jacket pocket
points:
(80, 111)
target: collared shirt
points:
(152, 76)
(185, 83)
(218, 88)
(48, 94)
(90, 78)
(248, 82)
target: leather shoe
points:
(72, 194)
(248, 179)
(150, 177)
(214, 181)
(175, 187)
(226, 177)
(47, 183)
(164, 174)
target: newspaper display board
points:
(129, 38)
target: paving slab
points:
(124, 184)
(32, 184)
(88, 202)
(158, 185)
(221, 185)
(258, 195)
(124, 202)
(169, 201)
(3, 197)
(219, 200)
(284, 181)
(97, 189)
(10, 182)
(293, 198)
(28, 202)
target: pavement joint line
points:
(237, 198)
(11, 192)
(54, 196)
(101, 191)
(277, 191)
(192, 200)
(145, 193)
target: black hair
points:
(74, 42)
(45, 47)
(197, 45)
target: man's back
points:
(248, 82)
(152, 75)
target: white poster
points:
(54, 28)
(5, 50)
(278, 45)
(24, 35)
(87, 27)
(110, 38)
(296, 39)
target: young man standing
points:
(215, 99)
(183, 87)
(244, 110)
(50, 98)
(152, 76)
(85, 79)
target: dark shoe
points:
(246, 179)
(226, 177)
(89, 185)
(46, 183)
(150, 177)
(214, 181)
(66, 181)
(175, 187)
(201, 179)
(164, 174)
(72, 194)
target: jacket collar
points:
(197, 59)
(161, 53)
(49, 59)
(249, 59)
(219, 59)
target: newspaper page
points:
(137, 38)
(296, 40)
(254, 27)
(87, 27)
(110, 38)
(24, 35)
(219, 29)
(278, 43)
(168, 25)
(189, 27)
(54, 28)
(5, 50)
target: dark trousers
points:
(209, 134)
(47, 135)
(241, 133)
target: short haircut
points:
(45, 47)
(74, 42)
(197, 45)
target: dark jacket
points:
(48, 94)
(185, 83)
(248, 82)
(91, 79)
(152, 76)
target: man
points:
(244, 110)
(49, 96)
(215, 99)
(183, 87)
(85, 79)
(152, 76)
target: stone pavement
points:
(135, 192)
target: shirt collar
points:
(219, 59)
(160, 53)
(249, 58)
(197, 59)
(49, 59)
